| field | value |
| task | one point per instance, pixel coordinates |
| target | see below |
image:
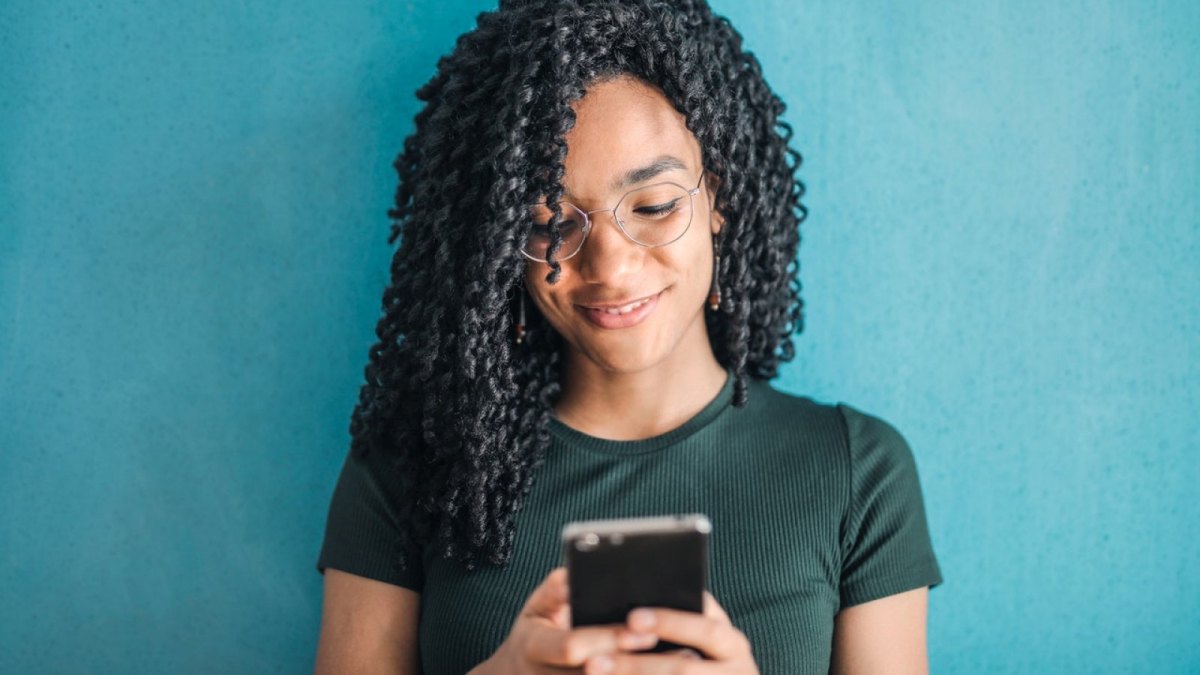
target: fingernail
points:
(600, 664)
(691, 654)
(633, 639)
(642, 617)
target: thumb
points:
(549, 597)
(713, 608)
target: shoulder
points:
(790, 428)
(778, 407)
(874, 442)
(842, 432)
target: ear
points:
(716, 219)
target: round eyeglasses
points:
(650, 216)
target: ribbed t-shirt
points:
(814, 507)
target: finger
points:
(549, 596)
(550, 646)
(712, 636)
(713, 608)
(666, 663)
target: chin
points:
(615, 360)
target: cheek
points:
(549, 301)
(693, 269)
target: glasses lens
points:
(657, 214)
(570, 228)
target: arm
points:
(882, 636)
(367, 626)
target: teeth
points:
(627, 308)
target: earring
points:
(714, 292)
(520, 330)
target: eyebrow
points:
(662, 164)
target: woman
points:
(598, 219)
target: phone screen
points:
(614, 566)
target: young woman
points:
(598, 221)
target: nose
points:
(608, 255)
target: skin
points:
(367, 627)
(882, 636)
(644, 380)
(541, 640)
(622, 384)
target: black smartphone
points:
(616, 565)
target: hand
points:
(711, 634)
(542, 641)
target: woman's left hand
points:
(711, 634)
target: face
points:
(623, 125)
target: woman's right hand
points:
(542, 641)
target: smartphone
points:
(616, 565)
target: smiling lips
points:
(621, 317)
(623, 309)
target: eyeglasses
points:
(650, 216)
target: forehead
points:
(622, 124)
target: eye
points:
(657, 210)
(542, 228)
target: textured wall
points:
(1001, 259)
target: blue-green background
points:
(1001, 259)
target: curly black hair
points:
(459, 408)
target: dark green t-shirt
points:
(814, 507)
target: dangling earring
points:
(714, 292)
(521, 317)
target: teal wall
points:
(1001, 259)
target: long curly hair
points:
(459, 408)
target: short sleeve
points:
(362, 529)
(886, 548)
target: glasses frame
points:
(587, 218)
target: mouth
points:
(624, 316)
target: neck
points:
(635, 404)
